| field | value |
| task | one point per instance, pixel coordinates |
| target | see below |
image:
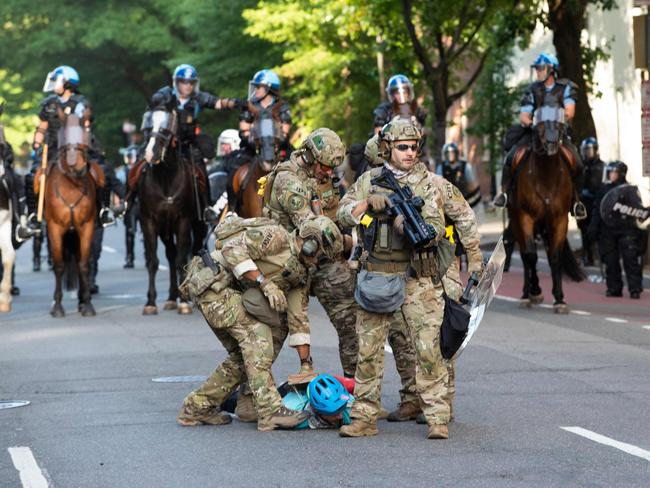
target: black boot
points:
(38, 241)
(128, 263)
(501, 200)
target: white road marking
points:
(121, 297)
(601, 439)
(647, 327)
(180, 379)
(545, 305)
(387, 348)
(616, 320)
(109, 249)
(162, 267)
(31, 475)
(507, 299)
(580, 312)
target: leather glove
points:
(378, 202)
(275, 296)
(398, 224)
(475, 264)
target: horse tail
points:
(71, 260)
(570, 266)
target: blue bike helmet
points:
(186, 73)
(266, 78)
(64, 76)
(400, 89)
(327, 395)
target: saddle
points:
(139, 167)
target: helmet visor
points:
(253, 94)
(402, 93)
(52, 82)
(185, 81)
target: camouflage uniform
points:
(252, 345)
(288, 196)
(421, 312)
(458, 211)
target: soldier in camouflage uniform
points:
(298, 190)
(459, 213)
(390, 257)
(252, 256)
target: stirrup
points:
(497, 203)
(105, 217)
(579, 208)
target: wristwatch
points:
(260, 279)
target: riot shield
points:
(621, 207)
(482, 295)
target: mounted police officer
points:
(259, 275)
(594, 181)
(185, 97)
(400, 101)
(618, 235)
(396, 278)
(547, 94)
(299, 190)
(66, 100)
(459, 173)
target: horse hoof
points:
(57, 311)
(5, 307)
(88, 310)
(562, 308)
(185, 308)
(150, 310)
(170, 305)
(537, 299)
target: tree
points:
(567, 19)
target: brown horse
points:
(246, 187)
(540, 204)
(70, 211)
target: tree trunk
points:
(567, 19)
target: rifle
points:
(403, 202)
(208, 261)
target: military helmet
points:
(372, 152)
(321, 233)
(324, 146)
(397, 130)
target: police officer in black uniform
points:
(189, 101)
(400, 102)
(104, 218)
(622, 241)
(460, 173)
(594, 176)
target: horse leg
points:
(556, 242)
(8, 260)
(150, 235)
(171, 254)
(526, 240)
(182, 256)
(85, 250)
(55, 238)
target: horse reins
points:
(84, 191)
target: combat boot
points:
(421, 419)
(305, 373)
(358, 428)
(383, 414)
(405, 412)
(190, 416)
(245, 409)
(284, 418)
(438, 431)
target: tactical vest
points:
(455, 175)
(51, 110)
(284, 268)
(266, 132)
(327, 193)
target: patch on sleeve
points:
(255, 234)
(295, 203)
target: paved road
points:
(97, 420)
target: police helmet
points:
(620, 167)
(450, 147)
(546, 59)
(188, 74)
(400, 89)
(324, 146)
(266, 78)
(327, 395)
(228, 136)
(63, 76)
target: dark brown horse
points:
(70, 210)
(167, 191)
(540, 205)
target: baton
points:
(41, 193)
(471, 283)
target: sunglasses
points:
(406, 147)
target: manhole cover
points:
(180, 379)
(13, 404)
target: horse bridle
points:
(74, 176)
